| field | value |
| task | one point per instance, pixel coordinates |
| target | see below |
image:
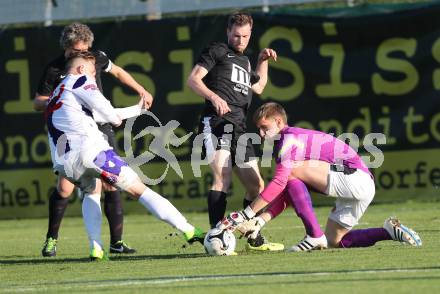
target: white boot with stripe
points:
(401, 233)
(309, 243)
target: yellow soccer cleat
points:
(97, 254)
(261, 244)
(196, 235)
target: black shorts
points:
(226, 136)
(107, 129)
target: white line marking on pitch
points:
(120, 283)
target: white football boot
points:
(309, 243)
(401, 233)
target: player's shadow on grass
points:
(21, 260)
(164, 256)
(55, 260)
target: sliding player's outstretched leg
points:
(162, 209)
(123, 177)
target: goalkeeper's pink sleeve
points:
(278, 183)
(278, 205)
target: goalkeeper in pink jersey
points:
(313, 159)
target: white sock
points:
(164, 210)
(92, 215)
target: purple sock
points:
(364, 238)
(302, 203)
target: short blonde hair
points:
(75, 33)
(269, 110)
(86, 55)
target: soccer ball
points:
(219, 242)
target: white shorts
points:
(354, 192)
(83, 171)
(86, 181)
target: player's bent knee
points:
(221, 182)
(222, 185)
(333, 239)
(124, 180)
(334, 232)
(333, 243)
(127, 178)
(64, 194)
(65, 191)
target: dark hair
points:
(75, 33)
(86, 55)
(269, 110)
(239, 19)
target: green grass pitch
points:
(164, 264)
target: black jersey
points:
(55, 72)
(229, 76)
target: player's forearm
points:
(199, 87)
(262, 70)
(128, 112)
(278, 183)
(276, 208)
(273, 189)
(111, 117)
(122, 113)
(276, 205)
(125, 78)
(258, 204)
(40, 102)
(103, 111)
(266, 216)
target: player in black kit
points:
(74, 38)
(223, 76)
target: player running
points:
(313, 159)
(224, 78)
(82, 155)
(78, 37)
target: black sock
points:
(246, 202)
(216, 206)
(57, 207)
(114, 213)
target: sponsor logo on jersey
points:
(240, 76)
(230, 55)
(91, 87)
(242, 89)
